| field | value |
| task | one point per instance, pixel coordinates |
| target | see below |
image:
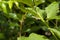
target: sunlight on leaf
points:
(10, 4)
(37, 2)
(34, 36)
(4, 8)
(52, 10)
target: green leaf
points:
(27, 2)
(4, 8)
(56, 32)
(34, 36)
(23, 38)
(17, 4)
(56, 17)
(31, 10)
(37, 2)
(13, 15)
(52, 10)
(10, 4)
(38, 13)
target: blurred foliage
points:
(29, 20)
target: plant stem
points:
(44, 22)
(21, 23)
(56, 23)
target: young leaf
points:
(4, 8)
(56, 17)
(17, 4)
(52, 10)
(34, 36)
(27, 2)
(37, 2)
(10, 4)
